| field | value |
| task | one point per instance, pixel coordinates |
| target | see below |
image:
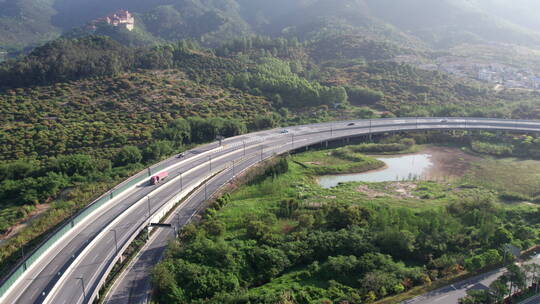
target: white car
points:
(284, 131)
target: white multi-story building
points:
(120, 18)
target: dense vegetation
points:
(517, 283)
(27, 23)
(108, 107)
(81, 113)
(284, 239)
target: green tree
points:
(80, 164)
(363, 96)
(502, 236)
(492, 257)
(128, 155)
(517, 278)
(266, 263)
(157, 150)
(499, 288)
(178, 131)
(475, 263)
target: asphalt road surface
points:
(451, 294)
(71, 272)
(533, 300)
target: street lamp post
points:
(244, 142)
(181, 183)
(115, 240)
(23, 260)
(82, 285)
(149, 208)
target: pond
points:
(398, 168)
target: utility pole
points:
(331, 130)
(210, 157)
(244, 142)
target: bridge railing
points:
(28, 261)
(53, 237)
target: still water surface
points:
(404, 167)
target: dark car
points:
(351, 124)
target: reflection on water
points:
(405, 167)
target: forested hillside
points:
(80, 113)
(283, 239)
(26, 23)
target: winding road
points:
(74, 269)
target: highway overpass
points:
(74, 266)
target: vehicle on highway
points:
(181, 155)
(351, 124)
(48, 264)
(444, 120)
(158, 178)
(284, 131)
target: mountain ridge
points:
(442, 24)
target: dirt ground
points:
(448, 162)
(40, 209)
(394, 189)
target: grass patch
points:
(338, 161)
(512, 178)
(290, 218)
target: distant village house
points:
(120, 18)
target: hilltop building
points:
(120, 18)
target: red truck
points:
(158, 178)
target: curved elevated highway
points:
(73, 269)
